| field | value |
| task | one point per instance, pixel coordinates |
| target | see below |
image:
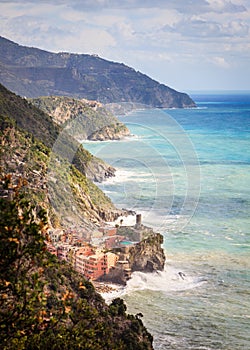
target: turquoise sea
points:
(187, 172)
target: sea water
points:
(187, 172)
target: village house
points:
(108, 230)
(55, 235)
(51, 248)
(92, 262)
(87, 260)
(96, 265)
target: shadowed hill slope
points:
(57, 176)
(32, 72)
(42, 127)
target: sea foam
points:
(169, 280)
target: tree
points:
(44, 304)
(22, 297)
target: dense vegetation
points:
(44, 304)
(41, 126)
(69, 196)
(66, 193)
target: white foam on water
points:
(129, 138)
(118, 292)
(169, 280)
(126, 175)
(98, 141)
(129, 220)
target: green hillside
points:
(55, 172)
(44, 304)
(42, 127)
(87, 120)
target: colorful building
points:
(96, 265)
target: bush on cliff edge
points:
(47, 305)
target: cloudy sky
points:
(186, 44)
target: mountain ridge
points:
(32, 72)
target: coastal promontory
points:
(32, 72)
(84, 119)
(45, 300)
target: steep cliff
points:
(32, 72)
(69, 197)
(44, 303)
(42, 127)
(146, 256)
(87, 120)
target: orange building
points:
(91, 263)
(95, 265)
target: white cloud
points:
(224, 6)
(200, 27)
(124, 30)
(73, 16)
(89, 41)
(237, 28)
(220, 61)
(148, 35)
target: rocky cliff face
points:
(148, 255)
(41, 126)
(32, 72)
(145, 256)
(85, 120)
(113, 132)
(60, 186)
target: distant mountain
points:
(32, 72)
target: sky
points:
(189, 45)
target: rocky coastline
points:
(60, 228)
(83, 119)
(144, 253)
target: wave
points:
(169, 280)
(118, 292)
(122, 176)
(129, 138)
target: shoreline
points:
(104, 287)
(109, 291)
